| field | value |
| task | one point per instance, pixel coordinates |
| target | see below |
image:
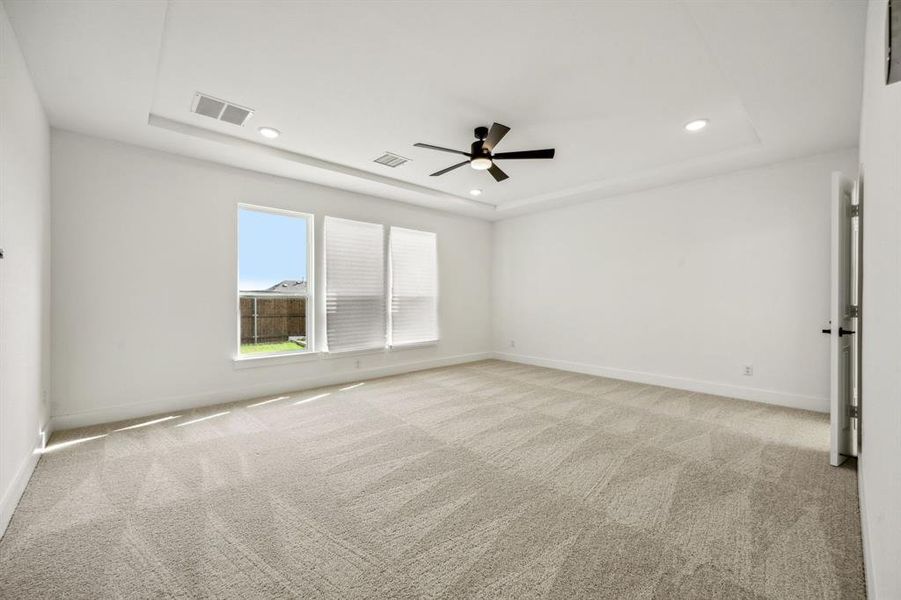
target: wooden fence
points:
(268, 319)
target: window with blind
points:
(354, 285)
(414, 287)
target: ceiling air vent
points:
(220, 109)
(391, 160)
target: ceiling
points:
(608, 84)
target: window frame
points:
(312, 348)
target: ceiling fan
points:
(481, 156)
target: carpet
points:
(485, 480)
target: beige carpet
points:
(489, 480)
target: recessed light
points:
(696, 125)
(269, 132)
(476, 192)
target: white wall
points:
(879, 466)
(24, 272)
(144, 263)
(680, 285)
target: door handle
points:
(829, 331)
(842, 332)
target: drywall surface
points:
(680, 286)
(880, 461)
(24, 271)
(145, 279)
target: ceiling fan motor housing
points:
(477, 150)
(481, 133)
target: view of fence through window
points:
(272, 281)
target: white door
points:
(841, 322)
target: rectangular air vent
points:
(220, 109)
(391, 160)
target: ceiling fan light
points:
(480, 163)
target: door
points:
(842, 322)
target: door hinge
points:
(854, 210)
(853, 311)
(854, 412)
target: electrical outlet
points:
(513, 343)
(748, 370)
(357, 363)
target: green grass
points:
(270, 348)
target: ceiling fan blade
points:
(443, 171)
(497, 173)
(495, 135)
(547, 153)
(431, 147)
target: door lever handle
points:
(841, 331)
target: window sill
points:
(385, 350)
(350, 353)
(415, 345)
(269, 360)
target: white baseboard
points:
(121, 412)
(682, 383)
(13, 493)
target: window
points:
(354, 285)
(414, 287)
(275, 296)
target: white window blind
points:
(414, 286)
(354, 285)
